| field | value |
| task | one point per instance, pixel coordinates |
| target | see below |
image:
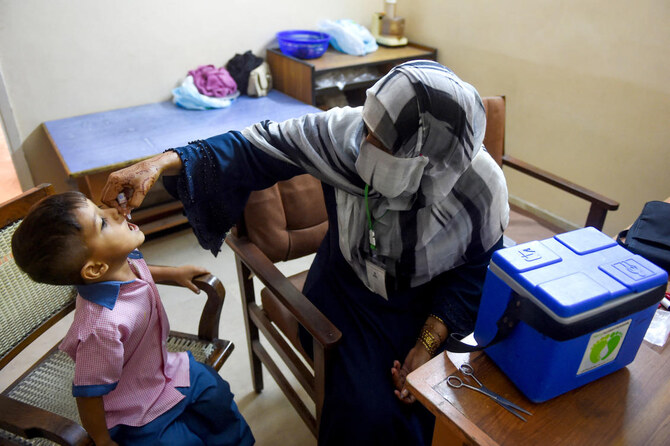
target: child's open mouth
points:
(133, 227)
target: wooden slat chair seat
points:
(288, 221)
(38, 408)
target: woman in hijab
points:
(416, 208)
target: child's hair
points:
(48, 244)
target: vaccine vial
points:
(121, 199)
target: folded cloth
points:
(188, 96)
(212, 81)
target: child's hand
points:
(184, 275)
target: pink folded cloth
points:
(214, 82)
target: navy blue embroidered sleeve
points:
(457, 293)
(217, 176)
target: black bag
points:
(239, 68)
(649, 236)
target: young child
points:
(129, 389)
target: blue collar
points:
(105, 293)
(102, 293)
(135, 254)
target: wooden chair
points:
(523, 225)
(288, 221)
(38, 408)
(285, 222)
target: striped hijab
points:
(437, 200)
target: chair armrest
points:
(600, 204)
(211, 314)
(29, 422)
(318, 326)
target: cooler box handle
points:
(523, 308)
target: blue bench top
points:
(108, 140)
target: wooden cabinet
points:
(299, 78)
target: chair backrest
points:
(27, 308)
(494, 139)
(288, 220)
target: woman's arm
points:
(455, 303)
(212, 178)
(92, 414)
(217, 176)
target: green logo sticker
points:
(603, 346)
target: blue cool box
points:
(583, 304)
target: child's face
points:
(107, 234)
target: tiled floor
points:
(9, 182)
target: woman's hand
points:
(416, 357)
(136, 180)
(433, 330)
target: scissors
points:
(456, 382)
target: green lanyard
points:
(371, 222)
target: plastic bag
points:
(349, 37)
(658, 330)
(187, 96)
(342, 78)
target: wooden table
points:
(91, 146)
(628, 407)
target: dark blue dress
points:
(360, 407)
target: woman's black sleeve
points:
(457, 293)
(217, 176)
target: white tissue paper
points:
(658, 330)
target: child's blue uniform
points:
(206, 416)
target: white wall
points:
(62, 58)
(586, 82)
(587, 87)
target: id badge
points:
(376, 278)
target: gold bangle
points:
(433, 332)
(429, 341)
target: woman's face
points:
(372, 139)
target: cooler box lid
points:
(577, 272)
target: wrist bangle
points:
(432, 326)
(429, 341)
